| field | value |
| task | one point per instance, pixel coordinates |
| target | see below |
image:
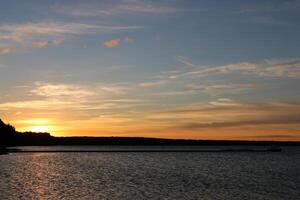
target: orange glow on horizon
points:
(39, 125)
(39, 129)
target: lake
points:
(150, 175)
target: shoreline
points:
(230, 150)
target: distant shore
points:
(9, 137)
(36, 140)
(144, 149)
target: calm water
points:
(150, 175)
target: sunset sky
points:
(200, 69)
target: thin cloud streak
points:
(153, 83)
(218, 89)
(112, 9)
(292, 119)
(57, 28)
(226, 113)
(60, 90)
(268, 68)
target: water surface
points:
(185, 175)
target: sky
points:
(192, 69)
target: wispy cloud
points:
(116, 8)
(144, 7)
(112, 43)
(77, 91)
(175, 93)
(224, 102)
(5, 50)
(266, 7)
(266, 121)
(193, 89)
(21, 32)
(218, 89)
(57, 42)
(56, 28)
(115, 89)
(224, 113)
(60, 90)
(47, 104)
(49, 96)
(41, 34)
(267, 68)
(41, 43)
(154, 83)
(186, 61)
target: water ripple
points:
(150, 176)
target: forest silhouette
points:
(10, 137)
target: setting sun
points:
(39, 129)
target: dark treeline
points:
(10, 137)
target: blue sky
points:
(110, 65)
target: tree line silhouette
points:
(10, 137)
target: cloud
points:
(116, 8)
(114, 89)
(45, 43)
(56, 28)
(21, 33)
(224, 102)
(154, 83)
(18, 113)
(112, 43)
(46, 104)
(174, 93)
(218, 89)
(41, 43)
(59, 97)
(144, 7)
(192, 89)
(5, 50)
(226, 113)
(76, 91)
(268, 68)
(61, 104)
(279, 68)
(57, 42)
(28, 34)
(186, 61)
(117, 41)
(60, 90)
(291, 119)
